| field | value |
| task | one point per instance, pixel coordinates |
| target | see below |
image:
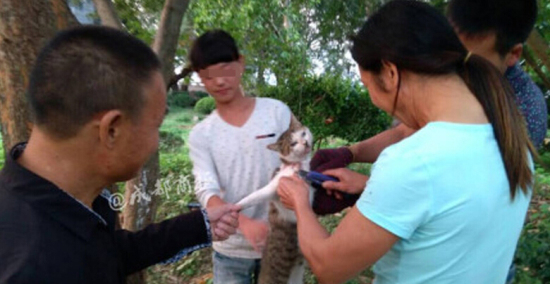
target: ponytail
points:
(416, 37)
(496, 96)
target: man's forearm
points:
(158, 242)
(367, 151)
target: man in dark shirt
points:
(97, 99)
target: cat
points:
(282, 261)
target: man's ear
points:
(389, 77)
(110, 124)
(513, 56)
(274, 147)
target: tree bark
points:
(165, 45)
(141, 211)
(539, 47)
(107, 13)
(166, 39)
(139, 194)
(533, 62)
(140, 200)
(25, 26)
(261, 76)
(185, 72)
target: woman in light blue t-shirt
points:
(447, 204)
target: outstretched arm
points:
(334, 258)
(367, 151)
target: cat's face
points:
(294, 145)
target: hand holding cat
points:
(293, 192)
(224, 221)
(350, 182)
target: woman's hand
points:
(350, 182)
(254, 231)
(293, 192)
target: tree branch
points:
(187, 71)
(107, 14)
(539, 47)
(531, 61)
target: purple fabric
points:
(331, 159)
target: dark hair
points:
(87, 70)
(416, 37)
(211, 48)
(511, 20)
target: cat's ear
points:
(294, 123)
(274, 147)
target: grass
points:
(174, 160)
(532, 258)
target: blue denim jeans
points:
(232, 270)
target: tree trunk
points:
(533, 62)
(107, 13)
(25, 26)
(142, 211)
(166, 39)
(260, 81)
(286, 20)
(139, 194)
(539, 47)
(165, 46)
(261, 76)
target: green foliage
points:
(2, 158)
(205, 105)
(181, 99)
(284, 39)
(543, 25)
(331, 106)
(174, 154)
(169, 141)
(140, 17)
(200, 94)
(533, 252)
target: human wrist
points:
(353, 151)
(361, 184)
(302, 210)
(214, 201)
(243, 220)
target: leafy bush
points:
(205, 105)
(331, 106)
(199, 95)
(533, 252)
(169, 141)
(181, 99)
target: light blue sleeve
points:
(398, 195)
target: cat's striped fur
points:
(282, 261)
